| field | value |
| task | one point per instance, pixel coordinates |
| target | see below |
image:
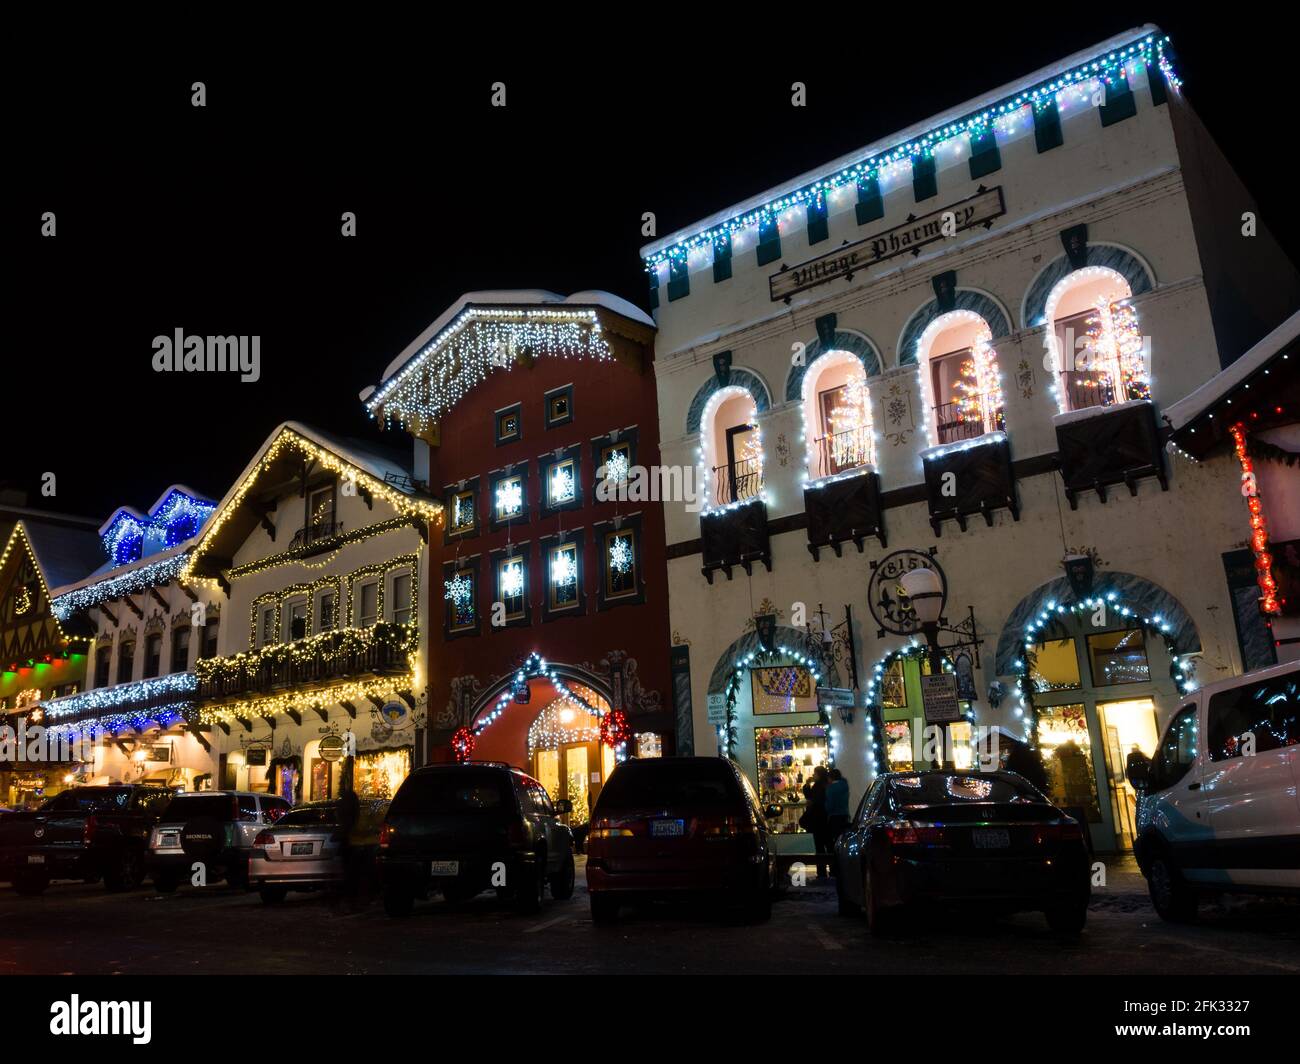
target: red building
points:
(528, 410)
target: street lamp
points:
(924, 590)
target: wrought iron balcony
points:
(840, 451)
(737, 481)
(309, 536)
(953, 424)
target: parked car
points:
(676, 827)
(214, 828)
(951, 838)
(458, 829)
(85, 833)
(312, 847)
(1218, 810)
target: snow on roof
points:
(510, 297)
(904, 136)
(1221, 384)
(64, 554)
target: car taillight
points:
(264, 838)
(905, 833)
(88, 830)
(1071, 831)
(386, 834)
(605, 829)
(726, 828)
(515, 833)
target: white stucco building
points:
(962, 338)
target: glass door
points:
(577, 782)
(1125, 727)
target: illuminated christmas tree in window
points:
(1115, 352)
(850, 426)
(977, 393)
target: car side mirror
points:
(772, 811)
(1137, 770)
(562, 806)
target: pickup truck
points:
(86, 834)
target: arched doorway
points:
(1103, 672)
(545, 718)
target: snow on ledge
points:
(1071, 416)
(948, 448)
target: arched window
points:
(731, 448)
(961, 370)
(1098, 349)
(837, 415)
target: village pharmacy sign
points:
(911, 236)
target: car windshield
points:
(189, 806)
(662, 782)
(452, 790)
(306, 815)
(940, 788)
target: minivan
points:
(1218, 809)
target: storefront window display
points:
(1067, 756)
(649, 744)
(378, 773)
(787, 758)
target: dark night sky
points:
(225, 220)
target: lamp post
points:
(924, 590)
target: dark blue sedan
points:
(962, 838)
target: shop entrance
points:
(566, 754)
(1087, 729)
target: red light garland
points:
(1268, 600)
(463, 743)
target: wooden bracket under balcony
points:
(197, 731)
(295, 715)
(349, 708)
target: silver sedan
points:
(310, 848)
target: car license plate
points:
(36, 858)
(445, 868)
(991, 838)
(300, 849)
(667, 829)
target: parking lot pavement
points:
(77, 928)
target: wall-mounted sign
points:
(939, 696)
(331, 748)
(159, 752)
(911, 236)
(886, 598)
(835, 697)
(394, 713)
(717, 709)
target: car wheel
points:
(846, 907)
(563, 880)
(604, 909)
(273, 895)
(1067, 919)
(1173, 899)
(532, 887)
(878, 917)
(30, 886)
(398, 901)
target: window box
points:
(1105, 445)
(735, 535)
(847, 509)
(974, 477)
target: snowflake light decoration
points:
(562, 484)
(510, 497)
(512, 580)
(620, 555)
(616, 467)
(564, 570)
(459, 588)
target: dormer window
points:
(320, 514)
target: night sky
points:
(225, 220)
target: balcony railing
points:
(345, 654)
(1085, 388)
(952, 424)
(312, 534)
(843, 450)
(738, 481)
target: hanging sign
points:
(912, 235)
(939, 696)
(835, 697)
(331, 748)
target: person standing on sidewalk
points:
(837, 808)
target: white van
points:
(1219, 805)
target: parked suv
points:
(215, 828)
(85, 833)
(1218, 809)
(461, 829)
